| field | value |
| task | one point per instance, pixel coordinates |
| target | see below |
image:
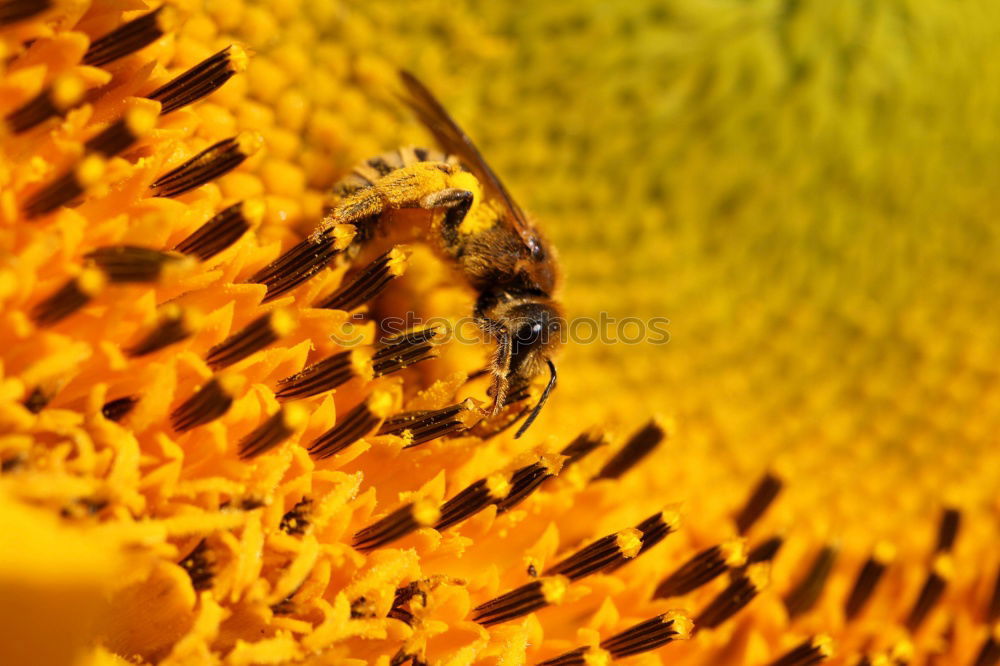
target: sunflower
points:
(211, 453)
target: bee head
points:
(535, 329)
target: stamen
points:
(131, 36)
(519, 602)
(526, 480)
(734, 598)
(82, 507)
(201, 80)
(472, 500)
(868, 578)
(302, 261)
(71, 297)
(13, 11)
(765, 551)
(66, 188)
(65, 93)
(638, 447)
(357, 423)
(805, 595)
(930, 593)
(128, 264)
(612, 549)
(583, 656)
(402, 656)
(398, 524)
(175, 325)
(815, 650)
(36, 400)
(274, 431)
(227, 227)
(413, 590)
(325, 375)
(989, 654)
(653, 530)
(758, 502)
(259, 333)
(403, 351)
(951, 520)
(363, 608)
(210, 402)
(14, 462)
(209, 164)
(649, 635)
(199, 566)
(122, 133)
(703, 568)
(422, 426)
(284, 607)
(581, 446)
(296, 521)
(116, 410)
(368, 284)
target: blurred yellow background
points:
(806, 189)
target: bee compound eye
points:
(536, 249)
(528, 333)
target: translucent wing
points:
(453, 140)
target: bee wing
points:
(455, 141)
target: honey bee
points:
(507, 261)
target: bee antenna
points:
(541, 401)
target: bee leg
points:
(456, 203)
(500, 365)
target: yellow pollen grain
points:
(884, 552)
(629, 541)
(91, 281)
(682, 624)
(671, 517)
(553, 462)
(824, 645)
(734, 552)
(361, 363)
(397, 261)
(140, 120)
(294, 416)
(902, 652)
(380, 404)
(249, 142)
(595, 656)
(180, 266)
(480, 218)
(944, 566)
(230, 382)
(343, 234)
(90, 171)
(497, 485)
(759, 575)
(283, 321)
(554, 588)
(238, 59)
(425, 512)
(170, 312)
(253, 211)
(67, 90)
